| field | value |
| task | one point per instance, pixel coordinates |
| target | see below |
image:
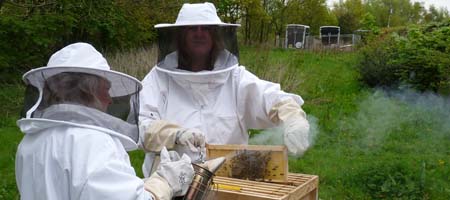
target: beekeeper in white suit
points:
(75, 139)
(198, 93)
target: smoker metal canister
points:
(201, 184)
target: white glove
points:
(192, 143)
(296, 136)
(162, 133)
(172, 178)
(296, 126)
(192, 138)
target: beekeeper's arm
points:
(158, 133)
(163, 133)
(262, 104)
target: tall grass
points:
(136, 63)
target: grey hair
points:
(72, 88)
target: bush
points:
(424, 57)
(375, 65)
(418, 59)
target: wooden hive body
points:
(276, 169)
(298, 187)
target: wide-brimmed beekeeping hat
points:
(83, 58)
(195, 15)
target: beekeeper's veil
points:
(67, 89)
(170, 36)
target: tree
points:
(417, 13)
(253, 15)
(435, 15)
(229, 10)
(277, 12)
(368, 22)
(313, 13)
(391, 13)
(349, 14)
(32, 30)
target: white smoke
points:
(384, 114)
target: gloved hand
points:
(192, 143)
(172, 178)
(296, 126)
(296, 136)
(162, 133)
(192, 138)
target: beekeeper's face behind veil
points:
(77, 86)
(197, 41)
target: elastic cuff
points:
(161, 133)
(159, 187)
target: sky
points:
(427, 3)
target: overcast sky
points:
(436, 3)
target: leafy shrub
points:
(424, 57)
(375, 61)
(418, 59)
(375, 66)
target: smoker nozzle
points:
(213, 165)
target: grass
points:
(10, 136)
(370, 144)
(136, 62)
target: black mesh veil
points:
(224, 37)
(74, 97)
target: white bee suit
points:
(76, 137)
(74, 157)
(223, 103)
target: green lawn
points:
(369, 144)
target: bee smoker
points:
(203, 179)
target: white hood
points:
(81, 116)
(200, 84)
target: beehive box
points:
(274, 170)
(298, 187)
